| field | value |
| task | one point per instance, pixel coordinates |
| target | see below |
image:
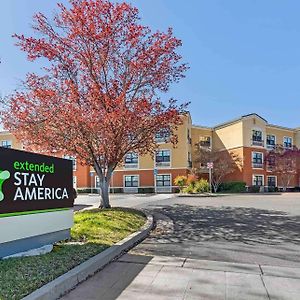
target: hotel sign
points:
(32, 182)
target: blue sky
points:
(244, 56)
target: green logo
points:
(3, 176)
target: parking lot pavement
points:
(155, 277)
(229, 247)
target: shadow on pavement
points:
(231, 224)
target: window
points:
(272, 181)
(271, 162)
(131, 160)
(287, 142)
(257, 159)
(189, 137)
(163, 158)
(162, 136)
(271, 141)
(73, 158)
(163, 180)
(205, 141)
(6, 144)
(131, 180)
(257, 139)
(258, 180)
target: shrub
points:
(146, 190)
(188, 189)
(254, 189)
(180, 181)
(233, 187)
(201, 186)
(191, 180)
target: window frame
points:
(258, 175)
(131, 165)
(270, 176)
(287, 137)
(163, 175)
(163, 163)
(271, 145)
(162, 136)
(131, 175)
(257, 163)
(6, 144)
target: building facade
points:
(249, 136)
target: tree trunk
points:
(104, 185)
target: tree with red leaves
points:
(284, 162)
(98, 98)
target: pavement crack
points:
(262, 279)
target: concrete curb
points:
(66, 282)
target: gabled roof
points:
(239, 119)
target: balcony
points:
(256, 165)
(259, 143)
(205, 144)
(270, 147)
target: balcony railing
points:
(259, 143)
(205, 144)
(257, 165)
(270, 146)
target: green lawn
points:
(94, 231)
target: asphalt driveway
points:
(232, 247)
(258, 229)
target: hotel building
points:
(249, 136)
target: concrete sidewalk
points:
(161, 277)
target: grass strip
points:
(93, 231)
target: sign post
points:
(210, 166)
(36, 200)
(155, 172)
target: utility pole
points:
(210, 166)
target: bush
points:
(188, 189)
(180, 181)
(254, 189)
(146, 190)
(201, 186)
(191, 180)
(233, 187)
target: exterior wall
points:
(228, 137)
(281, 133)
(146, 177)
(253, 123)
(6, 136)
(197, 134)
